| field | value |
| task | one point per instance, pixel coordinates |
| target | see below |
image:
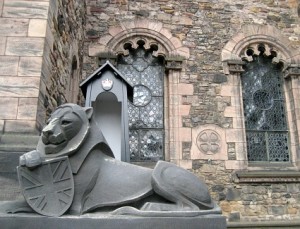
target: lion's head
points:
(66, 129)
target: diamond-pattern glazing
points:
(264, 111)
(146, 119)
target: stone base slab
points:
(106, 221)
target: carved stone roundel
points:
(209, 142)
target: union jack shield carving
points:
(48, 188)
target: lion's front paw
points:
(30, 159)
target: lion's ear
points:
(89, 112)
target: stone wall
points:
(40, 51)
(251, 201)
(61, 72)
(40, 62)
(22, 39)
(202, 99)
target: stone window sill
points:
(269, 176)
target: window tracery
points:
(145, 73)
(264, 106)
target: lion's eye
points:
(65, 122)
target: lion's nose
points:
(47, 132)
(49, 129)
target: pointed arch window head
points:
(264, 107)
(145, 73)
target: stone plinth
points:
(105, 221)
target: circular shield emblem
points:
(49, 188)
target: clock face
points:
(141, 95)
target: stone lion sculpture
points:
(73, 171)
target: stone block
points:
(30, 66)
(226, 55)
(128, 25)
(277, 210)
(185, 89)
(141, 23)
(227, 90)
(19, 86)
(37, 28)
(184, 110)
(20, 126)
(186, 164)
(164, 17)
(235, 135)
(1, 7)
(230, 45)
(25, 46)
(208, 143)
(53, 7)
(8, 108)
(219, 78)
(183, 51)
(231, 111)
(279, 188)
(233, 194)
(173, 135)
(173, 89)
(27, 108)
(234, 217)
(218, 188)
(113, 31)
(105, 39)
(1, 126)
(240, 149)
(293, 188)
(174, 100)
(174, 121)
(25, 9)
(95, 50)
(185, 134)
(176, 42)
(41, 113)
(182, 20)
(251, 29)
(2, 45)
(295, 59)
(9, 65)
(166, 33)
(238, 122)
(235, 164)
(156, 26)
(49, 38)
(13, 27)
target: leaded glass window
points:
(264, 111)
(146, 120)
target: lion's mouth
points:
(53, 140)
(53, 149)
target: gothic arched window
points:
(146, 118)
(264, 110)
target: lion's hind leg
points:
(180, 187)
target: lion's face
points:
(66, 129)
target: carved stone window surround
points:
(251, 38)
(153, 35)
